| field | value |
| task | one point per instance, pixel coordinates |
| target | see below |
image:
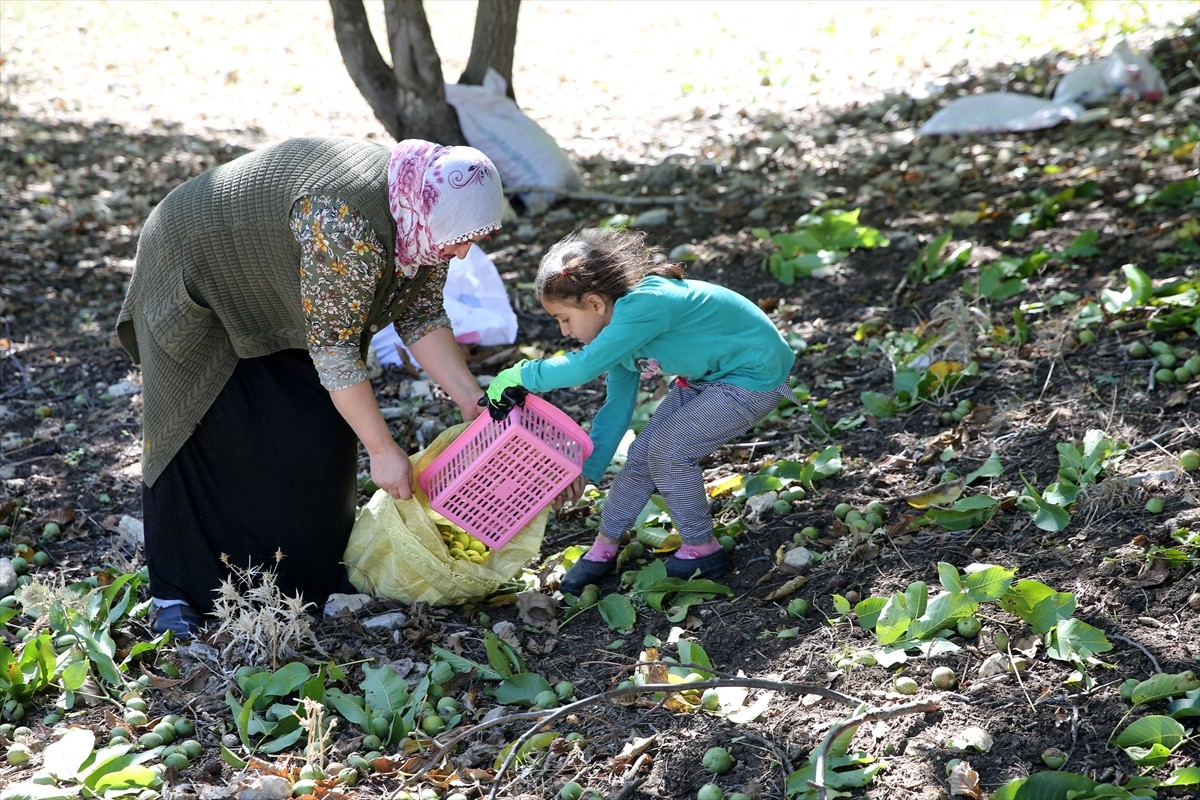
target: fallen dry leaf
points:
(537, 609)
(964, 781)
(940, 495)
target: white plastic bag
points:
(1122, 71)
(476, 302)
(522, 151)
(999, 111)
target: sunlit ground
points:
(584, 70)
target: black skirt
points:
(271, 467)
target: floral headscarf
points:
(440, 196)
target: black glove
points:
(510, 398)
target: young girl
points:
(636, 317)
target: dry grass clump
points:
(959, 328)
(263, 627)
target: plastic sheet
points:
(476, 302)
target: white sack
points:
(524, 154)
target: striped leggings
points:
(690, 423)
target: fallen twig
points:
(1139, 646)
(818, 782)
(547, 717)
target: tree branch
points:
(370, 73)
(493, 43)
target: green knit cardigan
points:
(217, 276)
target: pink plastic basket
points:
(497, 476)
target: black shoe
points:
(711, 566)
(584, 572)
(180, 619)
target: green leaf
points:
(1184, 776)
(867, 611)
(112, 759)
(285, 734)
(989, 469)
(230, 758)
(1050, 611)
(943, 611)
(466, 665)
(132, 777)
(949, 577)
(1075, 640)
(1044, 786)
(692, 653)
(988, 584)
(826, 464)
(37, 791)
(74, 675)
(1050, 517)
(1148, 731)
(280, 683)
(1161, 686)
(1083, 246)
(521, 689)
(1155, 755)
(497, 655)
(894, 619)
(539, 741)
(878, 404)
(384, 690)
(349, 706)
(761, 484)
(618, 612)
(1187, 706)
(64, 757)
(1022, 596)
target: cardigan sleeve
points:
(341, 263)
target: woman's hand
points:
(392, 471)
(471, 410)
(573, 491)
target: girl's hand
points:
(392, 471)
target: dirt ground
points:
(725, 122)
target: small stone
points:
(263, 787)
(654, 218)
(123, 389)
(798, 558)
(339, 603)
(684, 252)
(393, 620)
(132, 532)
(8, 577)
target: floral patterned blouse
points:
(341, 263)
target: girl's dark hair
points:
(606, 262)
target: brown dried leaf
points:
(537, 609)
(1155, 575)
(788, 588)
(964, 781)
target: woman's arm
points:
(390, 467)
(439, 355)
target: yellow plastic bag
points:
(395, 550)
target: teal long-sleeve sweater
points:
(696, 330)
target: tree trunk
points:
(409, 98)
(494, 41)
